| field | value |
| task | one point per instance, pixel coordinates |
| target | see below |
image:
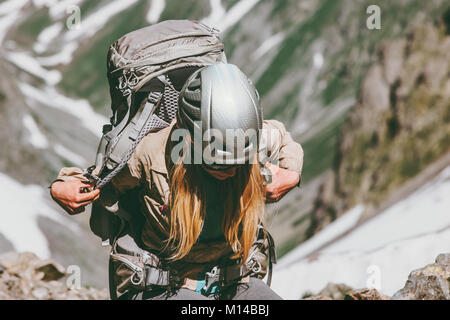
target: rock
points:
(429, 283)
(40, 293)
(319, 297)
(393, 57)
(17, 262)
(400, 124)
(375, 91)
(443, 259)
(365, 294)
(335, 291)
(25, 277)
(28, 265)
(50, 270)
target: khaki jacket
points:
(148, 170)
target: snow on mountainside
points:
(404, 237)
(21, 225)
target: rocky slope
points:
(23, 276)
(400, 125)
(431, 282)
(403, 236)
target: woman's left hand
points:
(283, 180)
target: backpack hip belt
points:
(220, 276)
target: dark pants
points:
(256, 289)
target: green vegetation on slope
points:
(344, 67)
(320, 150)
(176, 9)
(298, 39)
(411, 134)
(29, 29)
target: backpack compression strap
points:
(151, 122)
(156, 114)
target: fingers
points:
(82, 197)
(74, 211)
(273, 197)
(86, 202)
(76, 208)
(72, 195)
(69, 208)
(272, 193)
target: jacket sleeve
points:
(280, 148)
(71, 174)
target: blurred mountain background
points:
(371, 109)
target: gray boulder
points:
(429, 283)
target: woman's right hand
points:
(72, 195)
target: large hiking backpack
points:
(146, 70)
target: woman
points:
(200, 188)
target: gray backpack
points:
(146, 70)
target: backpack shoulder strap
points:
(117, 158)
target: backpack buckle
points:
(211, 278)
(91, 176)
(154, 96)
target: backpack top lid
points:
(139, 43)
(143, 54)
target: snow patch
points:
(426, 211)
(93, 23)
(10, 12)
(32, 66)
(233, 15)
(318, 60)
(20, 218)
(155, 10)
(37, 139)
(80, 109)
(11, 5)
(216, 15)
(47, 36)
(267, 45)
(394, 261)
(63, 57)
(406, 236)
(330, 232)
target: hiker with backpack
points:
(185, 216)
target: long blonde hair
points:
(243, 208)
